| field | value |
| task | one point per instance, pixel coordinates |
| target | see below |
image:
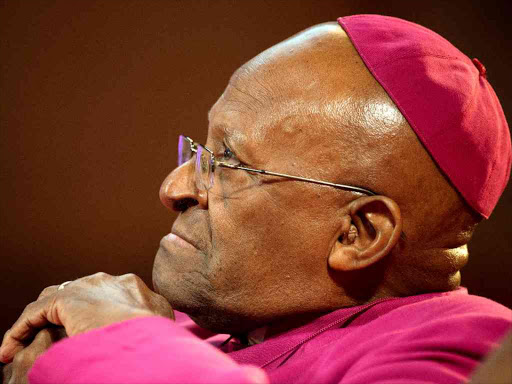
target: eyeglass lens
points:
(184, 150)
(203, 162)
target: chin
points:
(203, 307)
(207, 313)
(191, 292)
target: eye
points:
(228, 154)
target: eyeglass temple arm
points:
(263, 172)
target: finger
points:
(42, 341)
(6, 373)
(17, 371)
(56, 333)
(34, 317)
(10, 348)
(22, 343)
(24, 328)
(45, 293)
(23, 360)
(48, 291)
(14, 349)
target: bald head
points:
(270, 248)
(314, 86)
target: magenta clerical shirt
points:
(430, 338)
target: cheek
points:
(244, 242)
(259, 243)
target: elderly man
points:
(323, 225)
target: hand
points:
(16, 372)
(84, 304)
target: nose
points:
(179, 191)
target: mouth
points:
(174, 239)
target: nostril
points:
(182, 205)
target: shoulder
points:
(450, 309)
(453, 303)
(460, 301)
(435, 337)
(438, 319)
(421, 309)
(431, 338)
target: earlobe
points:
(369, 232)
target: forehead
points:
(310, 91)
(260, 127)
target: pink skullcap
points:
(446, 99)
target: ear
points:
(369, 232)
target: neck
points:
(432, 270)
(277, 328)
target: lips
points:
(188, 231)
(179, 239)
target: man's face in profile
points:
(250, 243)
(253, 248)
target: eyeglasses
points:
(206, 163)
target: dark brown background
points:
(94, 93)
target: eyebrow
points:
(232, 135)
(232, 145)
(231, 138)
(235, 142)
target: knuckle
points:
(101, 275)
(130, 277)
(6, 337)
(41, 335)
(6, 334)
(94, 278)
(50, 289)
(29, 307)
(47, 291)
(132, 280)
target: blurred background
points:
(94, 93)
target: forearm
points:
(143, 350)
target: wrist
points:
(112, 317)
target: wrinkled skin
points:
(257, 250)
(86, 303)
(16, 372)
(264, 250)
